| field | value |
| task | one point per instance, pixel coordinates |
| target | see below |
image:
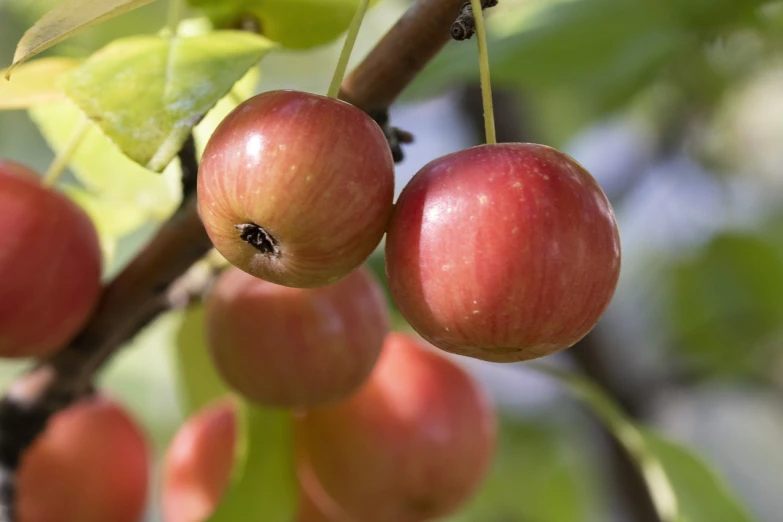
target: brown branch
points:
(141, 291)
(401, 54)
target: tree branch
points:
(140, 292)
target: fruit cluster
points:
(500, 252)
(503, 252)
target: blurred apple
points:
(50, 265)
(296, 24)
(198, 464)
(90, 465)
(413, 444)
(291, 347)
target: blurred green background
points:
(676, 107)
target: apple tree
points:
(324, 323)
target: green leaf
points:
(601, 50)
(538, 475)
(264, 485)
(35, 83)
(66, 19)
(104, 171)
(242, 90)
(702, 495)
(112, 221)
(198, 382)
(148, 92)
(725, 306)
(682, 488)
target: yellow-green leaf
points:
(66, 19)
(112, 221)
(243, 90)
(35, 83)
(264, 485)
(198, 382)
(148, 92)
(105, 172)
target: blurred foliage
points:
(297, 24)
(726, 308)
(539, 475)
(578, 60)
(702, 496)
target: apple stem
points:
(175, 10)
(63, 157)
(486, 85)
(627, 434)
(345, 54)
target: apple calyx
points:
(259, 238)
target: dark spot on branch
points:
(394, 136)
(465, 26)
(259, 238)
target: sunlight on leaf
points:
(242, 90)
(35, 83)
(148, 92)
(104, 170)
(66, 19)
(112, 220)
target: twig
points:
(395, 136)
(140, 292)
(465, 26)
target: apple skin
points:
(293, 347)
(50, 265)
(503, 252)
(198, 463)
(91, 464)
(315, 173)
(413, 444)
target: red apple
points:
(296, 188)
(50, 265)
(412, 444)
(503, 252)
(198, 464)
(90, 465)
(295, 347)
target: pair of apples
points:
(502, 252)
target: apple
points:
(198, 463)
(91, 464)
(50, 265)
(295, 347)
(296, 24)
(412, 444)
(303, 24)
(503, 252)
(296, 188)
